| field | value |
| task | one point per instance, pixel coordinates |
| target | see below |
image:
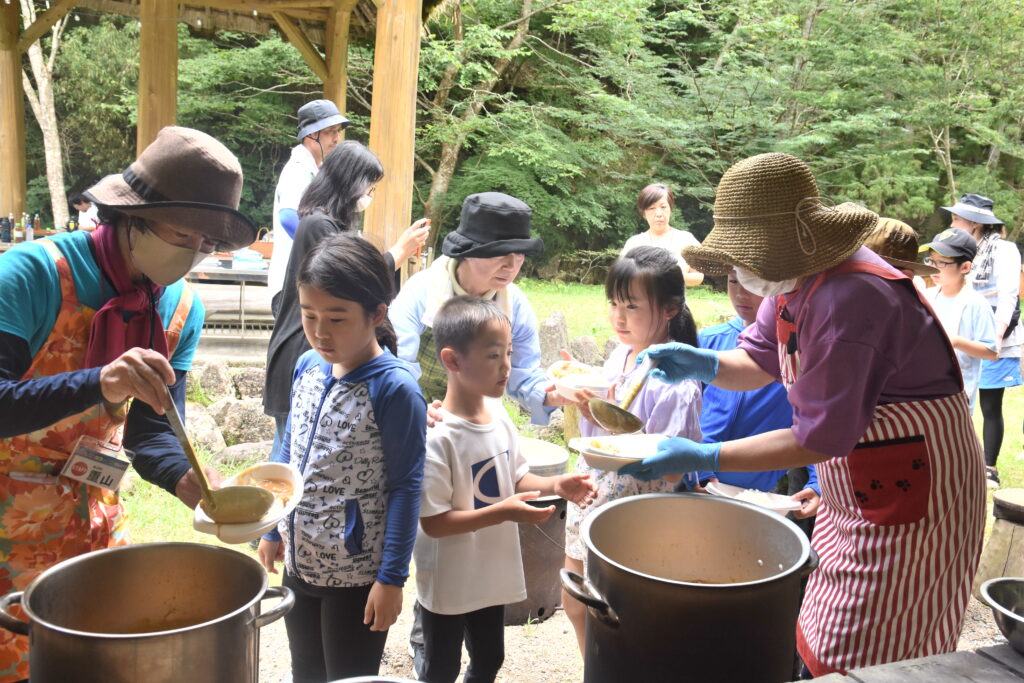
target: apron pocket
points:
(892, 480)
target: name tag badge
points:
(97, 463)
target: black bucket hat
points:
(492, 224)
(975, 208)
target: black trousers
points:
(484, 632)
(326, 634)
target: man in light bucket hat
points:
(995, 274)
(878, 407)
(89, 321)
(319, 131)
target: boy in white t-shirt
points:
(476, 485)
(964, 314)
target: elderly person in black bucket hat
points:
(89, 321)
(878, 407)
(482, 257)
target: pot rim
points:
(35, 620)
(996, 604)
(805, 545)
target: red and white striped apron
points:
(900, 527)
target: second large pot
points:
(154, 612)
(690, 587)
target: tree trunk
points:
(41, 101)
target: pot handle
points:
(7, 620)
(282, 608)
(812, 563)
(576, 586)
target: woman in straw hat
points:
(878, 406)
(88, 321)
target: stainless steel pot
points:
(690, 587)
(151, 612)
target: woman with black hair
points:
(340, 191)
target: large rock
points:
(549, 432)
(584, 349)
(249, 382)
(554, 336)
(219, 409)
(244, 422)
(214, 379)
(609, 345)
(203, 429)
(243, 453)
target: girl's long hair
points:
(348, 170)
(346, 266)
(658, 273)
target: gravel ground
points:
(542, 652)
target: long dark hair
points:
(348, 267)
(657, 271)
(348, 170)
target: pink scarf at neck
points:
(129, 319)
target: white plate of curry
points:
(284, 481)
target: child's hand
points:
(270, 552)
(434, 413)
(809, 501)
(552, 397)
(382, 606)
(516, 509)
(576, 488)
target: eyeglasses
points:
(935, 263)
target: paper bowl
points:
(611, 453)
(770, 501)
(243, 533)
(589, 377)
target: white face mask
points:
(161, 262)
(363, 203)
(762, 287)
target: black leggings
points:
(991, 402)
(484, 630)
(326, 634)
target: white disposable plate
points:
(624, 449)
(567, 386)
(771, 501)
(243, 533)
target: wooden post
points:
(158, 69)
(336, 48)
(393, 116)
(12, 114)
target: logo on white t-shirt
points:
(485, 482)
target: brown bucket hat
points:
(186, 178)
(770, 220)
(897, 244)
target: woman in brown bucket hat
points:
(88, 321)
(878, 407)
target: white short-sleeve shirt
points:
(673, 240)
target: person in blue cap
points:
(995, 274)
(319, 131)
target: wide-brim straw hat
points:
(897, 244)
(770, 220)
(184, 178)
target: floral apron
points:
(900, 529)
(43, 519)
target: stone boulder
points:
(203, 429)
(554, 336)
(584, 349)
(214, 379)
(609, 345)
(244, 422)
(219, 409)
(243, 453)
(549, 432)
(249, 382)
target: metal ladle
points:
(616, 419)
(231, 504)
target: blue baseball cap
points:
(954, 243)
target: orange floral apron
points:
(900, 528)
(43, 519)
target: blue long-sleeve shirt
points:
(729, 415)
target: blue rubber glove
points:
(676, 362)
(675, 456)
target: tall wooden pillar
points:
(158, 69)
(12, 114)
(393, 115)
(336, 49)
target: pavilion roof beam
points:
(302, 43)
(306, 10)
(44, 22)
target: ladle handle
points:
(627, 400)
(178, 427)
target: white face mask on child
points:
(762, 287)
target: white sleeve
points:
(1006, 270)
(292, 185)
(438, 487)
